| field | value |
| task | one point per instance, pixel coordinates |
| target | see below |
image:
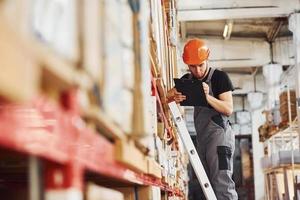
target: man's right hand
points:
(174, 95)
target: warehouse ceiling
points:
(267, 29)
(262, 28)
(259, 20)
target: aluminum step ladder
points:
(193, 155)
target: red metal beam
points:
(48, 131)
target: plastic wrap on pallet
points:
(160, 150)
(113, 71)
(149, 140)
(126, 99)
(55, 23)
(127, 25)
(243, 117)
(117, 95)
(114, 103)
(285, 157)
(93, 38)
(172, 169)
(236, 128)
(173, 23)
(266, 162)
(276, 114)
(145, 62)
(274, 159)
(113, 12)
(128, 67)
(143, 125)
(164, 162)
(245, 129)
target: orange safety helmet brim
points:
(195, 52)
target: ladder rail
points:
(192, 152)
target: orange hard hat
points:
(195, 52)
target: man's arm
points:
(223, 105)
(173, 95)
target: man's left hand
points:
(206, 89)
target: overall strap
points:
(210, 74)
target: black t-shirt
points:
(220, 82)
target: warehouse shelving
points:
(65, 142)
(281, 161)
(43, 129)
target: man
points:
(215, 140)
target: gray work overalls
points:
(215, 146)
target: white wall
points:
(283, 51)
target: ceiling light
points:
(227, 29)
(225, 32)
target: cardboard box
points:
(149, 193)
(18, 14)
(137, 160)
(128, 192)
(95, 192)
(149, 143)
(284, 95)
(143, 193)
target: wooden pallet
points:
(103, 123)
(127, 153)
(19, 77)
(28, 66)
(154, 168)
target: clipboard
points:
(193, 90)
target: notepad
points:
(193, 90)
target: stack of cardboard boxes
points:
(106, 49)
(284, 106)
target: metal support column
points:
(294, 26)
(35, 183)
(64, 182)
